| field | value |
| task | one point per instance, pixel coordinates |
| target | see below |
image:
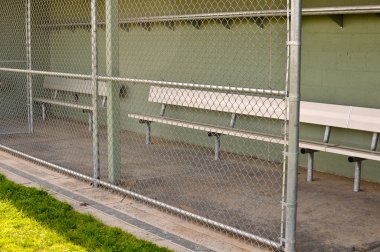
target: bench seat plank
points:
(217, 101)
(340, 116)
(60, 103)
(325, 114)
(354, 152)
(367, 119)
(340, 149)
(210, 128)
(318, 146)
(333, 115)
(73, 85)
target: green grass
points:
(20, 233)
(32, 220)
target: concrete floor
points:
(241, 192)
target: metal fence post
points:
(94, 68)
(29, 66)
(113, 100)
(294, 107)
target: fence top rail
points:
(338, 10)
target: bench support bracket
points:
(358, 171)
(310, 163)
(104, 101)
(90, 121)
(375, 140)
(233, 120)
(338, 19)
(326, 137)
(163, 109)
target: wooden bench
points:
(75, 87)
(328, 115)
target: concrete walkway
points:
(143, 221)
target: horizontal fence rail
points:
(151, 82)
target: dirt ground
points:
(242, 192)
(334, 217)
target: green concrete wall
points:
(12, 48)
(329, 3)
(342, 66)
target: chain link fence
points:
(189, 111)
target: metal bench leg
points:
(310, 163)
(43, 108)
(358, 173)
(217, 143)
(217, 146)
(148, 139)
(90, 121)
(375, 139)
(310, 166)
(148, 133)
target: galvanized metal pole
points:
(29, 66)
(113, 90)
(294, 108)
(358, 174)
(94, 69)
(310, 166)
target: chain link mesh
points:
(191, 105)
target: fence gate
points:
(190, 106)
